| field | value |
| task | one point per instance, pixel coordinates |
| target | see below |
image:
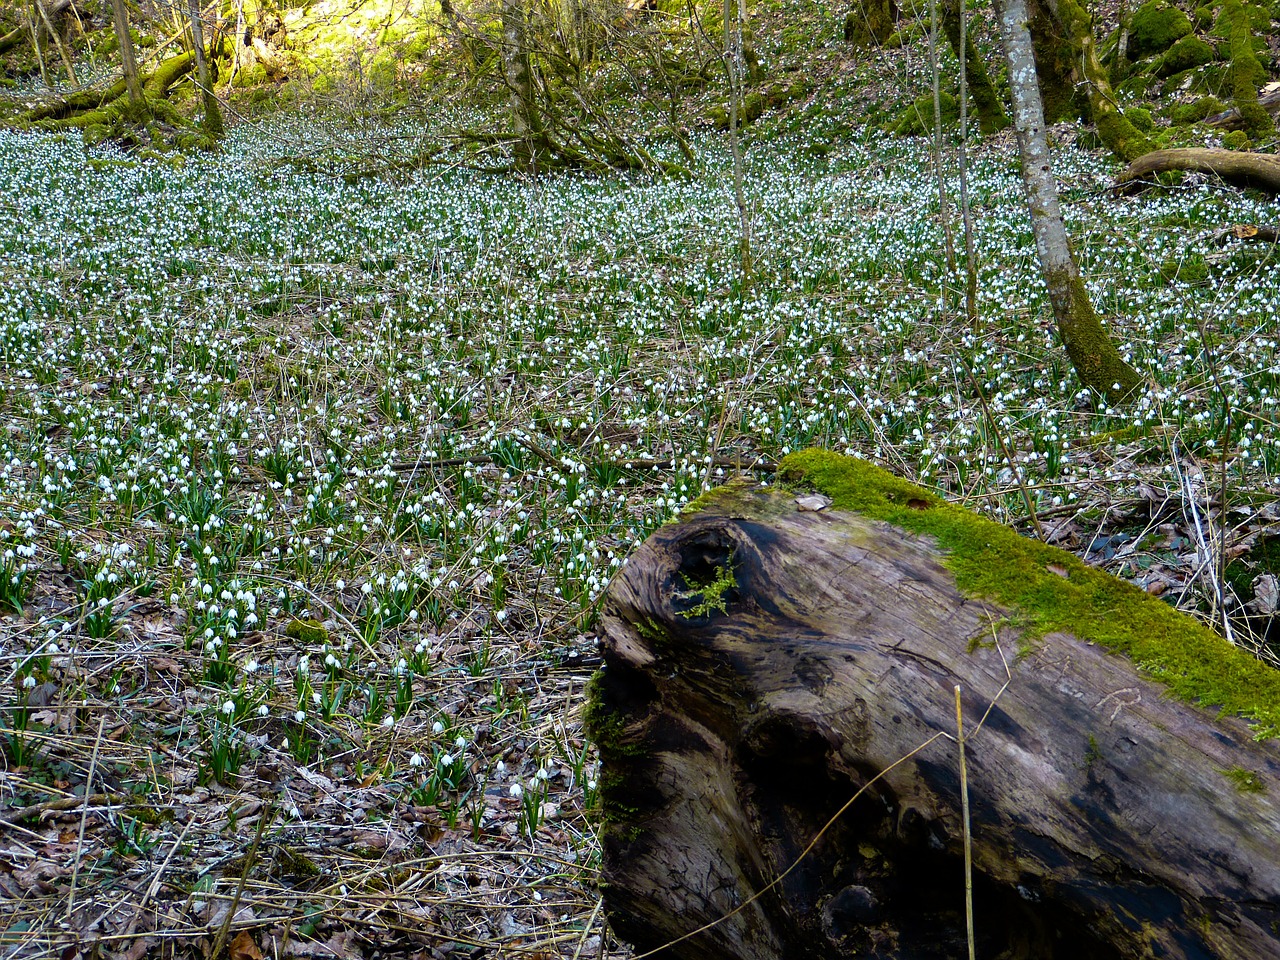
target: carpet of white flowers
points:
(309, 491)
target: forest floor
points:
(311, 484)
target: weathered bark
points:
(128, 61)
(1095, 358)
(212, 112)
(1110, 821)
(1258, 170)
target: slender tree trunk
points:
(1095, 358)
(735, 68)
(970, 257)
(34, 30)
(127, 59)
(526, 118)
(944, 204)
(986, 100)
(63, 52)
(212, 113)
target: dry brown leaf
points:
(1059, 570)
(243, 947)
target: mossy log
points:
(777, 652)
(1258, 170)
(109, 106)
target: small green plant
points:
(713, 596)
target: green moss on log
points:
(992, 562)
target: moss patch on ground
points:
(1052, 590)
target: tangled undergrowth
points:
(309, 489)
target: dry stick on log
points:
(1259, 170)
(766, 660)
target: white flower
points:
(388, 722)
(415, 760)
(229, 707)
(29, 682)
(515, 790)
(437, 727)
(300, 716)
(446, 759)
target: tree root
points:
(1258, 170)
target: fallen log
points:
(777, 652)
(1259, 170)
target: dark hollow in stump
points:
(765, 660)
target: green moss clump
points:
(1190, 270)
(1155, 27)
(1246, 781)
(1246, 73)
(993, 562)
(917, 119)
(1186, 54)
(307, 631)
(1194, 112)
(1141, 119)
(1236, 140)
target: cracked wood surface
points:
(1108, 820)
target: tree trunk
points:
(212, 112)
(1093, 355)
(63, 53)
(1246, 72)
(986, 100)
(1258, 170)
(767, 661)
(1115, 131)
(127, 59)
(526, 118)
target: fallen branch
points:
(1258, 170)
(1232, 120)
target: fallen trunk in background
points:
(769, 655)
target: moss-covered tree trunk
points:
(870, 22)
(986, 100)
(1073, 82)
(128, 62)
(775, 718)
(212, 111)
(1246, 73)
(1095, 358)
(517, 61)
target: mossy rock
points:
(1203, 17)
(918, 118)
(1156, 26)
(1187, 113)
(1141, 119)
(1236, 140)
(1049, 590)
(310, 632)
(1186, 54)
